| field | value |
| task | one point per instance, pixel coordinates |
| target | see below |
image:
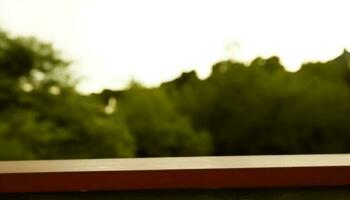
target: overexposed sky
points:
(114, 41)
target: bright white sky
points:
(114, 41)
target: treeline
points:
(258, 108)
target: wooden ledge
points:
(175, 173)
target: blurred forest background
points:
(239, 109)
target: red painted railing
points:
(175, 173)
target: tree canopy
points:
(256, 108)
(43, 117)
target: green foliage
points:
(239, 109)
(43, 117)
(263, 109)
(159, 128)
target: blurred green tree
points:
(256, 108)
(43, 117)
(262, 109)
(160, 130)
